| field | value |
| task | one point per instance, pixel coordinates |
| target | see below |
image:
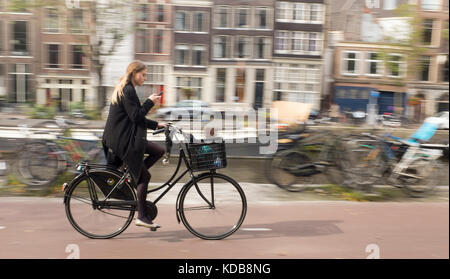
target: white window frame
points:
(266, 45)
(378, 62)
(228, 16)
(320, 13)
(401, 68)
(155, 74)
(237, 17)
(204, 50)
(186, 21)
(344, 65)
(257, 18)
(227, 47)
(47, 28)
(205, 22)
(286, 42)
(47, 56)
(302, 10)
(248, 45)
(187, 58)
(283, 12)
(431, 5)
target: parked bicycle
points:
(41, 161)
(411, 164)
(302, 154)
(101, 201)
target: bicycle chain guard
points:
(151, 209)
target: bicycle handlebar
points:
(159, 131)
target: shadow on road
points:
(269, 230)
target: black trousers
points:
(155, 152)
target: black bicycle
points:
(101, 202)
(301, 155)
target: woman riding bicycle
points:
(125, 135)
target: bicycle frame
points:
(169, 184)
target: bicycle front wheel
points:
(213, 207)
(94, 215)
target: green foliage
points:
(42, 112)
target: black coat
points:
(125, 134)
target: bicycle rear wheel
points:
(39, 164)
(425, 176)
(363, 161)
(92, 215)
(282, 167)
(214, 207)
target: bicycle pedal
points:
(154, 229)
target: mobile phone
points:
(160, 93)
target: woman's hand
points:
(155, 98)
(161, 125)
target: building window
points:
(431, 5)
(283, 11)
(261, 18)
(300, 12)
(199, 22)
(198, 55)
(20, 42)
(52, 21)
(155, 74)
(424, 68)
(160, 15)
(297, 83)
(242, 17)
(20, 83)
(445, 72)
(158, 41)
(350, 63)
(281, 40)
(396, 65)
(220, 47)
(374, 64)
(53, 56)
(77, 25)
(261, 49)
(222, 16)
(427, 31)
(181, 54)
(240, 85)
(242, 49)
(316, 14)
(189, 88)
(220, 85)
(142, 43)
(77, 57)
(181, 21)
(143, 12)
(1, 38)
(389, 4)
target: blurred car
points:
(441, 119)
(192, 109)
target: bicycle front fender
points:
(76, 179)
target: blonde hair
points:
(134, 67)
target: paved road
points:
(38, 228)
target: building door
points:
(386, 102)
